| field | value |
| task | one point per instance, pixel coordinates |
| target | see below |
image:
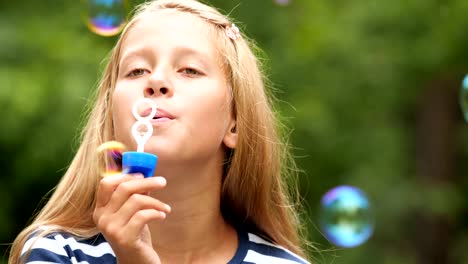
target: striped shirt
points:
(65, 248)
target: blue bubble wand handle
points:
(140, 161)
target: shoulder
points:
(259, 250)
(62, 247)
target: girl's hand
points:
(122, 213)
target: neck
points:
(195, 230)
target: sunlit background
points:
(372, 92)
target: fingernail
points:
(138, 175)
(161, 180)
(167, 207)
(163, 214)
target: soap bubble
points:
(111, 152)
(346, 217)
(106, 17)
(464, 97)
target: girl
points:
(223, 197)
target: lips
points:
(160, 114)
(162, 117)
(163, 114)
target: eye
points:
(190, 71)
(137, 72)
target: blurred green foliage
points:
(355, 82)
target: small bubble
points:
(111, 152)
(346, 217)
(106, 17)
(464, 98)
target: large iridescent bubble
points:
(346, 216)
(464, 98)
(111, 154)
(106, 17)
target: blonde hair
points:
(257, 168)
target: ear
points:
(230, 138)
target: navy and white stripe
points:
(254, 249)
(65, 248)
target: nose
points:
(158, 85)
(152, 91)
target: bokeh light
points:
(111, 152)
(106, 17)
(283, 2)
(346, 216)
(464, 98)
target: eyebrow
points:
(184, 50)
(133, 53)
(178, 50)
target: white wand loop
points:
(140, 135)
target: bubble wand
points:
(140, 161)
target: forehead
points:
(167, 29)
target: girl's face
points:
(171, 58)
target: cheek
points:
(121, 113)
(212, 114)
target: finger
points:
(140, 219)
(136, 186)
(138, 202)
(108, 185)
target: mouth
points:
(162, 116)
(160, 113)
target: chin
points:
(158, 151)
